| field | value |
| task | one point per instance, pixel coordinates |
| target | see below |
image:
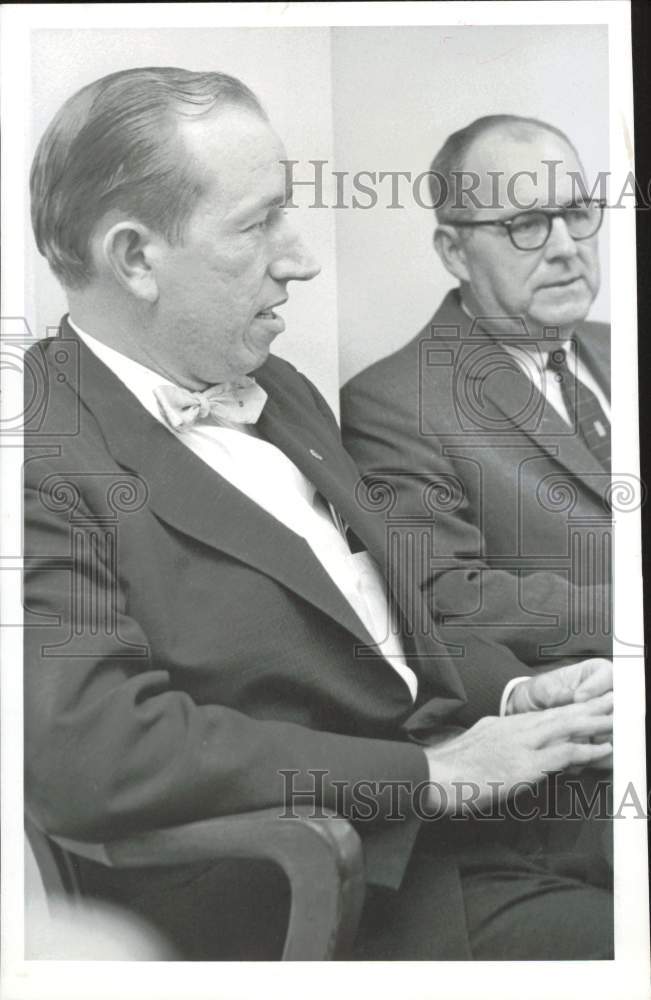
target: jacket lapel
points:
(191, 497)
(508, 386)
(594, 343)
(547, 430)
(319, 454)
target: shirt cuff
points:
(506, 693)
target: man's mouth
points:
(269, 311)
(563, 283)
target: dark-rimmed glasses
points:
(530, 230)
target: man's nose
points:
(293, 261)
(560, 242)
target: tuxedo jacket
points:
(183, 648)
(517, 505)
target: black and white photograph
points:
(322, 607)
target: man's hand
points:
(500, 753)
(576, 683)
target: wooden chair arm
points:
(321, 857)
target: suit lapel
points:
(319, 454)
(508, 386)
(593, 343)
(547, 430)
(192, 498)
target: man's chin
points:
(562, 306)
(564, 317)
(256, 355)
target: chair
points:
(321, 857)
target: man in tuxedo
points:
(493, 424)
(204, 605)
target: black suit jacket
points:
(184, 648)
(517, 504)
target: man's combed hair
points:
(115, 144)
(445, 182)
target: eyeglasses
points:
(531, 230)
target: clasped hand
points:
(556, 721)
(575, 684)
(578, 682)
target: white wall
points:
(398, 93)
(276, 65)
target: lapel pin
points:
(315, 454)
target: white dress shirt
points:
(267, 476)
(545, 381)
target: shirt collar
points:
(138, 379)
(516, 350)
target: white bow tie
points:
(240, 401)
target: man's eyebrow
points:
(260, 204)
(569, 203)
(546, 208)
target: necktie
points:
(583, 407)
(353, 542)
(238, 402)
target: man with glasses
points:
(493, 424)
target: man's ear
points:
(127, 249)
(449, 246)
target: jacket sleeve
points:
(111, 747)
